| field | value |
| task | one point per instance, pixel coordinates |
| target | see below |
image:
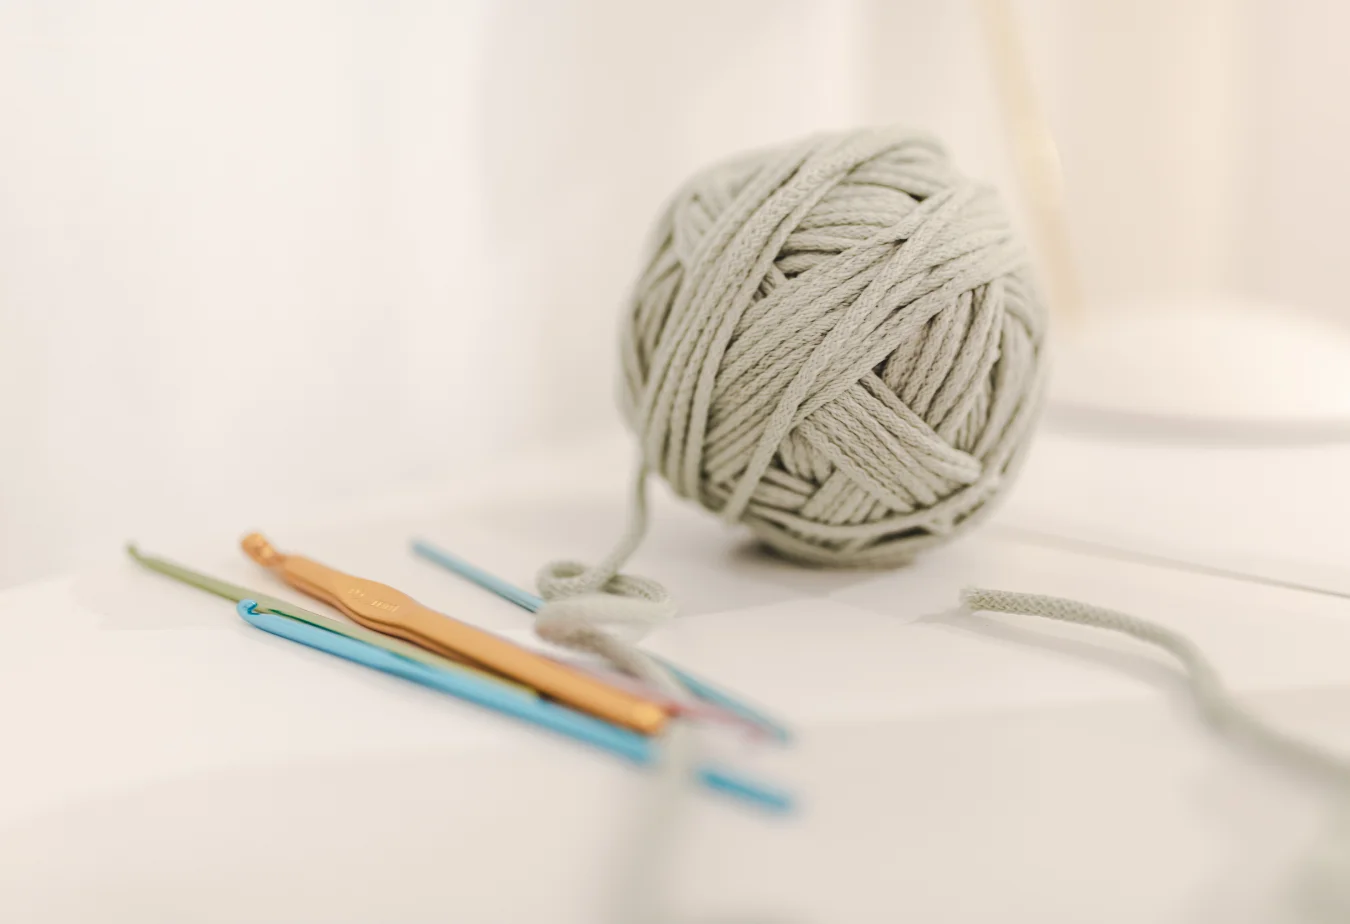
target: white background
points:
(258, 256)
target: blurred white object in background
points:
(1206, 365)
(1199, 366)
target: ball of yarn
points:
(836, 342)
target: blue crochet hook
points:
(528, 601)
(621, 742)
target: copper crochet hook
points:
(386, 610)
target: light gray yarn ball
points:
(836, 342)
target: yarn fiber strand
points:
(836, 342)
(1325, 882)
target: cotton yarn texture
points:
(838, 343)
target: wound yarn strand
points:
(837, 343)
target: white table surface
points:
(163, 761)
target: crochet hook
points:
(268, 604)
(528, 601)
(397, 657)
(384, 609)
(454, 680)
